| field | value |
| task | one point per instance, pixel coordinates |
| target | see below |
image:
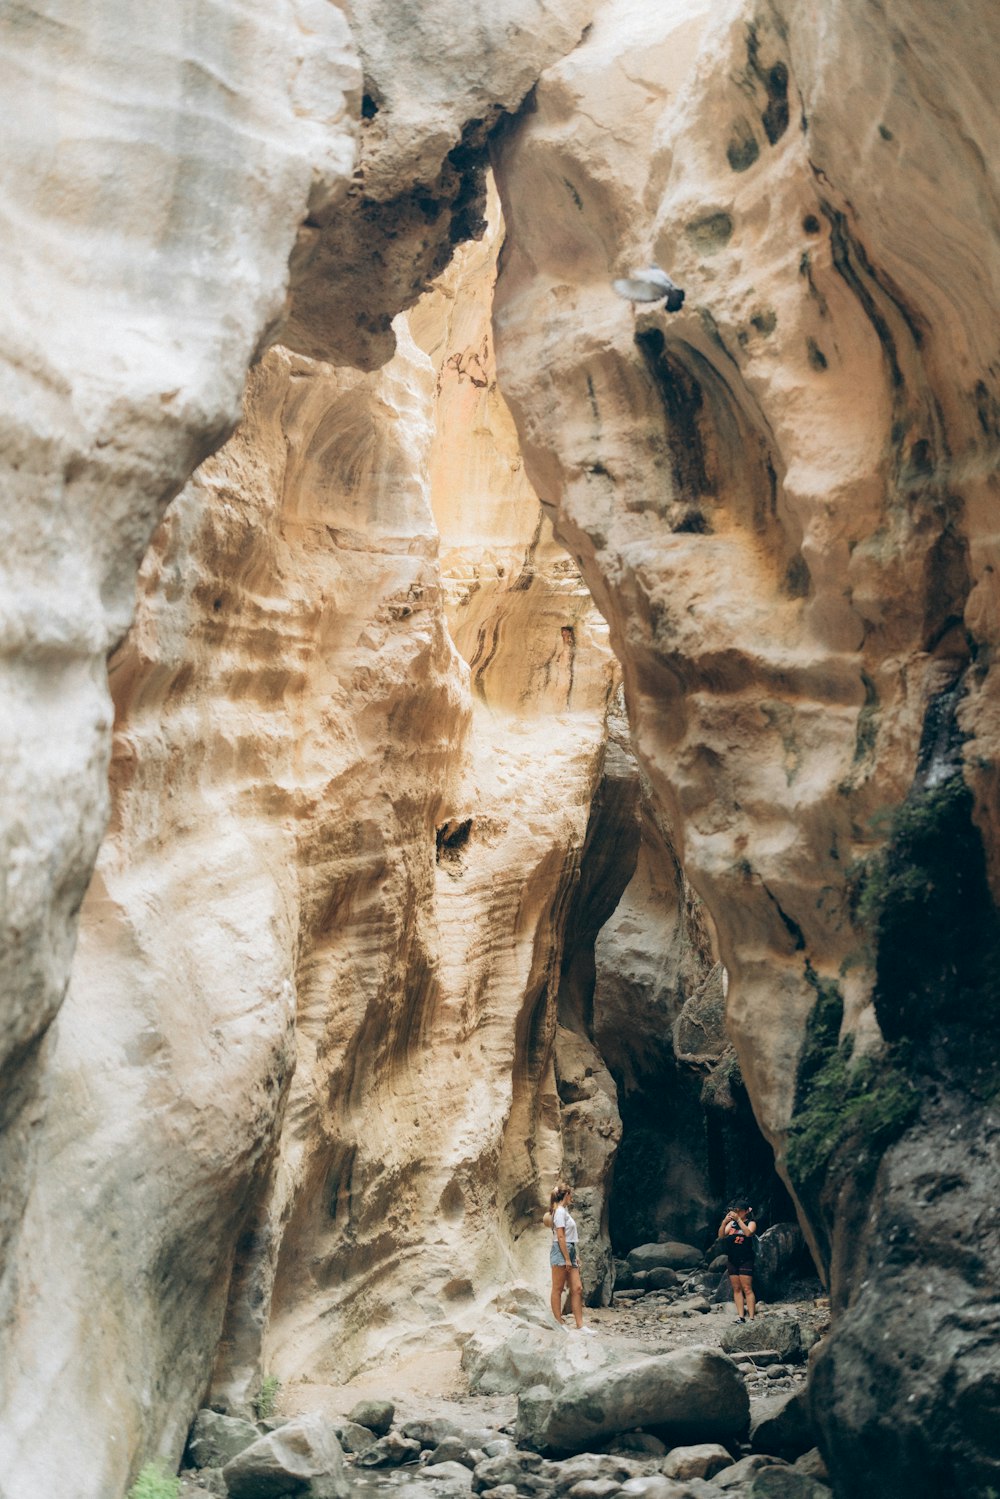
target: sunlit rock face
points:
(304, 1105)
(782, 499)
(436, 84)
(153, 180)
(158, 186)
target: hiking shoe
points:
(741, 1319)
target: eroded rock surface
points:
(304, 1076)
(153, 182)
(780, 500)
(336, 1014)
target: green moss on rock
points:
(852, 1112)
(848, 1110)
(926, 906)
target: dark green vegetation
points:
(848, 1111)
(927, 906)
(933, 935)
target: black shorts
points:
(744, 1269)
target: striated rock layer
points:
(304, 1101)
(782, 500)
(163, 193)
(152, 184)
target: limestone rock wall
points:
(436, 83)
(781, 499)
(303, 1100)
(164, 189)
(153, 182)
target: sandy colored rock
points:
(746, 484)
(214, 1439)
(504, 1359)
(149, 220)
(691, 1396)
(376, 1415)
(325, 929)
(701, 1461)
(304, 1457)
(435, 86)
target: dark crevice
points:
(451, 838)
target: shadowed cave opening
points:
(641, 1029)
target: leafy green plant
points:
(153, 1483)
(267, 1398)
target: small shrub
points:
(267, 1400)
(153, 1483)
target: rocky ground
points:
(446, 1437)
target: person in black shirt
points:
(738, 1232)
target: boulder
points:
(377, 1415)
(653, 1486)
(502, 1491)
(786, 1483)
(688, 1306)
(534, 1407)
(744, 1470)
(669, 1256)
(430, 1433)
(509, 1468)
(694, 1395)
(590, 1467)
(781, 1255)
(782, 1425)
(479, 1436)
(658, 1487)
(724, 1288)
(458, 1476)
(623, 1275)
(702, 1460)
(303, 1457)
(660, 1278)
(453, 1449)
(780, 1334)
(354, 1438)
(498, 1447)
(594, 1488)
(214, 1439)
(390, 1451)
(504, 1360)
(812, 1462)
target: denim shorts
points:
(556, 1256)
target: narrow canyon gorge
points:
(465, 729)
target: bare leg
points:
(576, 1296)
(746, 1286)
(559, 1273)
(735, 1282)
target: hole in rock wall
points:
(451, 838)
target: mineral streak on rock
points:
(781, 498)
(304, 1078)
(153, 180)
(325, 1038)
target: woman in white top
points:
(564, 1255)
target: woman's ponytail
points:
(558, 1193)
